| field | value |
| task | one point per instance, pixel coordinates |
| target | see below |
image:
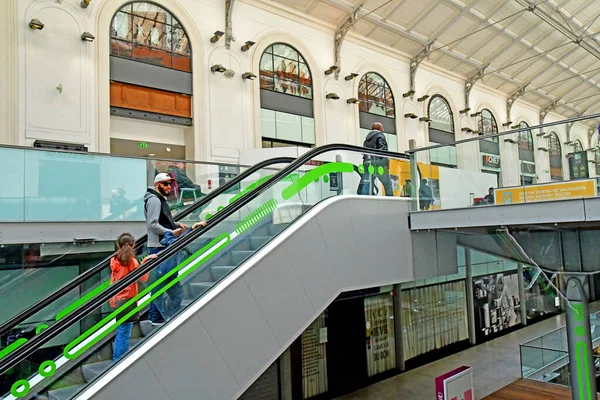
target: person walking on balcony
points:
(375, 140)
(425, 195)
(159, 221)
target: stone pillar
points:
(9, 74)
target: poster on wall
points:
(541, 297)
(546, 192)
(314, 359)
(403, 185)
(497, 302)
(381, 344)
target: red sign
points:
(209, 184)
(455, 385)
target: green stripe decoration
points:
(79, 302)
(256, 216)
(222, 238)
(249, 188)
(314, 175)
(12, 347)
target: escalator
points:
(253, 279)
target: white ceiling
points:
(519, 45)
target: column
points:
(470, 297)
(523, 308)
(399, 328)
(9, 74)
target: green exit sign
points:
(143, 145)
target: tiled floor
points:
(495, 365)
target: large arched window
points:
(526, 154)
(489, 148)
(577, 146)
(148, 33)
(556, 172)
(286, 94)
(441, 131)
(377, 105)
(150, 65)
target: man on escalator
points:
(159, 221)
(375, 140)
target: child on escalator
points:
(122, 264)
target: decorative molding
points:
(9, 73)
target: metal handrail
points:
(60, 326)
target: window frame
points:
(450, 113)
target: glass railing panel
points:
(521, 165)
(12, 198)
(531, 360)
(186, 276)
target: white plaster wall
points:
(226, 110)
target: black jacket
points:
(376, 140)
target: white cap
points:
(162, 177)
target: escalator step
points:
(257, 242)
(238, 257)
(198, 288)
(218, 272)
(91, 371)
(65, 393)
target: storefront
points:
(490, 164)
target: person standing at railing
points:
(425, 195)
(121, 265)
(375, 140)
(159, 221)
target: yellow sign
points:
(400, 171)
(546, 192)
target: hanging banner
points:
(381, 344)
(455, 385)
(546, 192)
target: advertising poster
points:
(381, 344)
(400, 172)
(578, 165)
(455, 385)
(314, 359)
(497, 303)
(541, 298)
(546, 192)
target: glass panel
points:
(282, 69)
(375, 95)
(381, 341)
(12, 198)
(121, 48)
(268, 127)
(121, 26)
(440, 114)
(289, 127)
(392, 141)
(152, 55)
(285, 51)
(308, 130)
(181, 44)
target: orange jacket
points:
(118, 272)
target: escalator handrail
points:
(139, 243)
(28, 348)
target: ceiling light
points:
(168, 149)
(218, 68)
(424, 119)
(478, 133)
(540, 134)
(423, 98)
(36, 24)
(216, 36)
(570, 143)
(543, 149)
(507, 124)
(510, 141)
(411, 116)
(477, 114)
(332, 96)
(351, 76)
(249, 76)
(247, 46)
(151, 155)
(515, 127)
(331, 70)
(408, 94)
(466, 110)
(353, 100)
(87, 37)
(469, 130)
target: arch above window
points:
(440, 114)
(146, 32)
(577, 146)
(376, 96)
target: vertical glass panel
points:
(285, 51)
(392, 141)
(12, 197)
(289, 127)
(160, 36)
(267, 119)
(181, 43)
(381, 343)
(440, 114)
(121, 26)
(308, 130)
(77, 187)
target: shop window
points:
(286, 98)
(314, 359)
(381, 342)
(377, 105)
(555, 150)
(441, 131)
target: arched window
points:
(489, 147)
(150, 65)
(148, 33)
(556, 172)
(377, 105)
(526, 154)
(286, 94)
(577, 146)
(441, 131)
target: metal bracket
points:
(229, 22)
(340, 35)
(471, 82)
(415, 62)
(546, 110)
(513, 97)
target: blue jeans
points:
(121, 345)
(162, 308)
